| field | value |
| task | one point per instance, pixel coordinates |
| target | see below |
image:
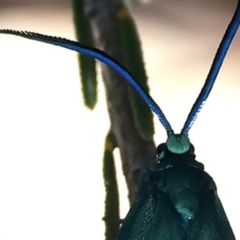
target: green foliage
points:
(112, 199)
(133, 61)
(86, 64)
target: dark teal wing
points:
(138, 221)
(211, 222)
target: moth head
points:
(178, 143)
(182, 147)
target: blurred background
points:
(51, 183)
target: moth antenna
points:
(101, 56)
(216, 65)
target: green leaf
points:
(87, 65)
(111, 217)
(133, 61)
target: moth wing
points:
(138, 221)
(167, 222)
(211, 222)
(152, 217)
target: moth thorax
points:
(178, 143)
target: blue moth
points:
(179, 199)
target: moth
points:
(179, 199)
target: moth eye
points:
(161, 151)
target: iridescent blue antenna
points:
(176, 143)
(103, 57)
(216, 65)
